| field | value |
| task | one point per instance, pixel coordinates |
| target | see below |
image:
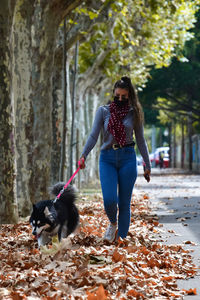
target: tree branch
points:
(85, 23)
(159, 106)
(183, 105)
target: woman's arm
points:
(142, 145)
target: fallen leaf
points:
(97, 295)
(83, 266)
(117, 256)
(191, 291)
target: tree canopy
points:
(140, 34)
(175, 89)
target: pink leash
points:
(68, 182)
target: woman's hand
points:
(147, 175)
(81, 163)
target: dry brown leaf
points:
(117, 256)
(98, 295)
(191, 291)
(84, 266)
(135, 294)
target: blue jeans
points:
(118, 172)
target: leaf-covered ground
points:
(85, 267)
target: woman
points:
(117, 164)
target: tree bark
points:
(182, 145)
(56, 118)
(73, 104)
(174, 146)
(21, 87)
(64, 121)
(8, 201)
(190, 139)
(170, 144)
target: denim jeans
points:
(118, 173)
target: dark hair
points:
(125, 83)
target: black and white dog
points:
(51, 217)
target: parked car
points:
(164, 152)
(155, 157)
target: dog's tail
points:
(68, 194)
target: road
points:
(175, 199)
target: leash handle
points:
(68, 182)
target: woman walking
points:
(118, 164)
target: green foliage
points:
(91, 13)
(139, 34)
(175, 89)
(89, 50)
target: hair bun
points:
(126, 79)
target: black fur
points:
(59, 216)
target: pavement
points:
(175, 198)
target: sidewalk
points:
(175, 199)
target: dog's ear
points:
(48, 214)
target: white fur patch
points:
(40, 229)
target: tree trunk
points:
(21, 87)
(69, 119)
(190, 139)
(73, 104)
(182, 145)
(174, 146)
(64, 121)
(43, 42)
(56, 118)
(170, 144)
(8, 202)
(77, 153)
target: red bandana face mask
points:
(115, 125)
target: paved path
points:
(175, 198)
